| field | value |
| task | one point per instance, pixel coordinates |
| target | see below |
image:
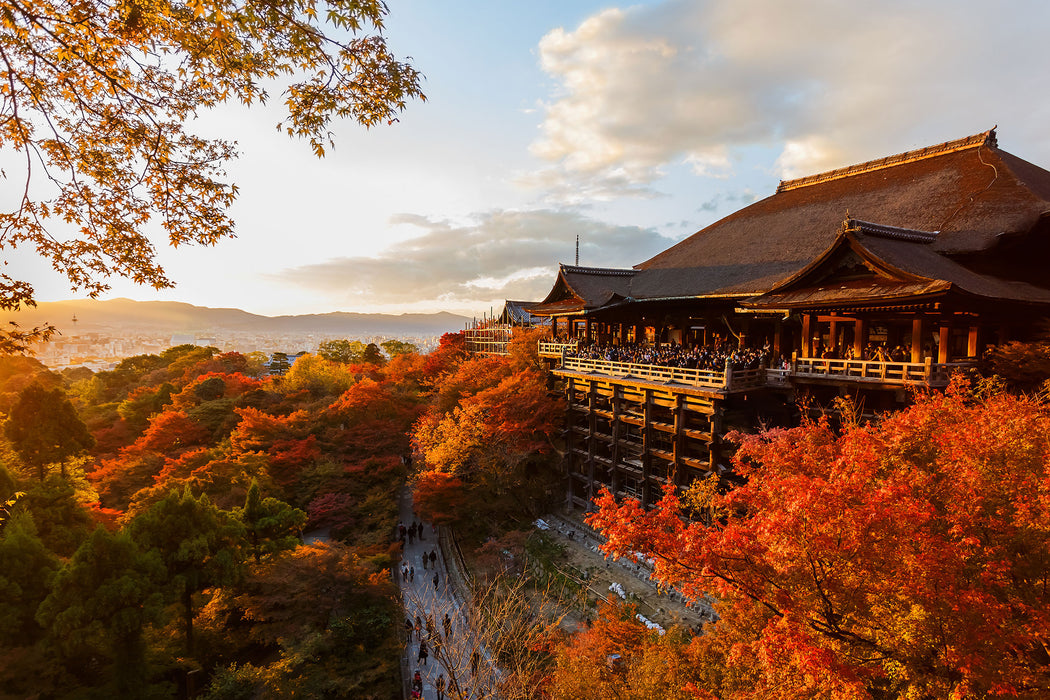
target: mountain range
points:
(169, 316)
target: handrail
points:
(927, 373)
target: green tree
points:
(393, 348)
(45, 429)
(270, 525)
(101, 601)
(97, 96)
(344, 351)
(26, 566)
(372, 355)
(197, 544)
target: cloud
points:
(823, 83)
(495, 255)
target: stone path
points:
(449, 649)
(662, 606)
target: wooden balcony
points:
(926, 373)
(551, 349)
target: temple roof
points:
(579, 289)
(960, 217)
(969, 192)
(871, 263)
(517, 313)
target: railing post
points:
(794, 362)
(927, 372)
(727, 379)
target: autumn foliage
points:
(906, 558)
(205, 479)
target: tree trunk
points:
(187, 601)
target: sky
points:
(631, 126)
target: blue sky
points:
(630, 125)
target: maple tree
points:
(905, 558)
(96, 96)
(330, 614)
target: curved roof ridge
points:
(892, 232)
(624, 272)
(986, 138)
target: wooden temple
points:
(868, 281)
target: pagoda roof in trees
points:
(578, 290)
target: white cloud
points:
(823, 82)
(496, 255)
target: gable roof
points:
(580, 289)
(967, 191)
(897, 264)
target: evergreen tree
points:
(44, 428)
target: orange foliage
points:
(439, 497)
(904, 558)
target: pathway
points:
(449, 654)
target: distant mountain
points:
(176, 317)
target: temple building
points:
(867, 281)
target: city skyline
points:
(630, 126)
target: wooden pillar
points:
(647, 443)
(833, 337)
(617, 429)
(944, 334)
(778, 337)
(676, 445)
(592, 439)
(918, 327)
(745, 331)
(972, 341)
(807, 335)
(860, 337)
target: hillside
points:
(117, 315)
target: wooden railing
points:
(928, 372)
(901, 373)
(554, 349)
(652, 373)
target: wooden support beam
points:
(918, 327)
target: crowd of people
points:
(705, 357)
(714, 357)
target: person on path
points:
(433, 557)
(447, 624)
(423, 653)
(420, 532)
(408, 628)
(411, 574)
(439, 685)
(417, 683)
(435, 581)
(412, 533)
